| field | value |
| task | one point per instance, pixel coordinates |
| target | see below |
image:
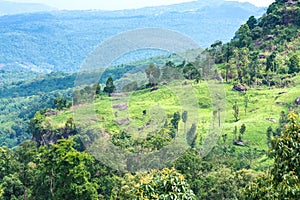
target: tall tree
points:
(153, 74)
(60, 103)
(253, 67)
(191, 72)
(97, 88)
(241, 60)
(64, 173)
(294, 64)
(25, 154)
(191, 136)
(109, 87)
(175, 121)
(242, 37)
(184, 119)
(271, 63)
(252, 22)
(236, 111)
(242, 130)
(234, 133)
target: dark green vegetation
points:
(21, 97)
(255, 157)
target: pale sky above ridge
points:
(120, 4)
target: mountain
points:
(61, 40)
(11, 8)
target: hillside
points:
(12, 8)
(264, 51)
(61, 40)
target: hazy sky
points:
(119, 4)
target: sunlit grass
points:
(175, 98)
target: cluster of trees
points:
(65, 171)
(57, 172)
(88, 93)
(246, 59)
(197, 70)
(22, 94)
(17, 112)
(253, 67)
(41, 85)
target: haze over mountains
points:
(61, 40)
(11, 8)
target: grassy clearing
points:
(163, 102)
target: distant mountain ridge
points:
(61, 40)
(11, 8)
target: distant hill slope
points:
(61, 40)
(11, 8)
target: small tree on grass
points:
(109, 87)
(215, 112)
(153, 74)
(242, 130)
(235, 108)
(97, 88)
(60, 103)
(184, 119)
(191, 136)
(175, 121)
(294, 64)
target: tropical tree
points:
(163, 184)
(12, 188)
(191, 135)
(175, 120)
(97, 88)
(252, 22)
(63, 173)
(294, 64)
(25, 155)
(153, 74)
(60, 103)
(243, 36)
(191, 72)
(235, 108)
(271, 63)
(184, 119)
(109, 87)
(242, 130)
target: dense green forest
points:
(256, 156)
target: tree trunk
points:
(25, 193)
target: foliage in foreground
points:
(282, 182)
(163, 184)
